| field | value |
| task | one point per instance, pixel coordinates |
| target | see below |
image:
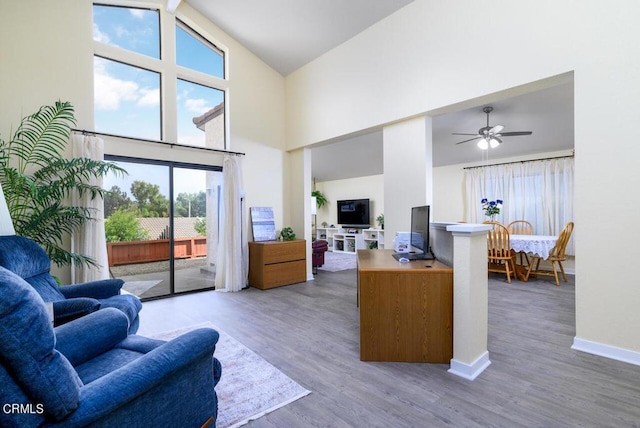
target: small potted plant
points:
(286, 234)
(380, 221)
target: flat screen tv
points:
(354, 213)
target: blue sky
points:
(127, 99)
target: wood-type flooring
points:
(310, 332)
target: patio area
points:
(150, 280)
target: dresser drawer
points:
(276, 275)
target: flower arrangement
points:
(491, 208)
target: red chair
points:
(317, 257)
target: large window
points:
(157, 78)
(540, 192)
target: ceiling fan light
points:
(494, 143)
(483, 144)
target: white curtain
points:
(540, 192)
(90, 240)
(232, 261)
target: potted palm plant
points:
(37, 180)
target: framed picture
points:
(263, 224)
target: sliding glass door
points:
(161, 226)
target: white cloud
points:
(110, 91)
(197, 105)
(149, 97)
(137, 13)
(99, 36)
(122, 32)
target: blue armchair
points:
(90, 372)
(28, 260)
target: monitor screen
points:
(420, 229)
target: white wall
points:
(370, 187)
(46, 54)
(431, 54)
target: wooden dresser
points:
(276, 263)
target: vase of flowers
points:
(491, 208)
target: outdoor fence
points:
(125, 253)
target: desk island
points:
(406, 309)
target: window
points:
(134, 29)
(140, 94)
(126, 99)
(194, 52)
(540, 192)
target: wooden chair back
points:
(492, 223)
(498, 242)
(557, 252)
(499, 250)
(520, 227)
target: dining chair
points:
(492, 222)
(556, 255)
(499, 250)
(521, 227)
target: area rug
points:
(250, 387)
(334, 262)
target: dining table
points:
(537, 245)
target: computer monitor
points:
(420, 231)
(419, 236)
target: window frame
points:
(168, 69)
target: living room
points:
(428, 58)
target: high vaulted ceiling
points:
(287, 34)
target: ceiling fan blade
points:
(459, 133)
(514, 133)
(470, 139)
(496, 129)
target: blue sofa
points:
(90, 372)
(28, 260)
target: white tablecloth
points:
(539, 245)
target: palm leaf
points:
(43, 135)
(37, 180)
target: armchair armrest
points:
(92, 335)
(179, 372)
(96, 289)
(70, 309)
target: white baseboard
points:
(470, 371)
(607, 351)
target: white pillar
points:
(470, 300)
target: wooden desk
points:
(406, 309)
(277, 263)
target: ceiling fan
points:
(489, 136)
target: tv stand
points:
(348, 242)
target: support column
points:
(470, 300)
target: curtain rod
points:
(144, 140)
(522, 161)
